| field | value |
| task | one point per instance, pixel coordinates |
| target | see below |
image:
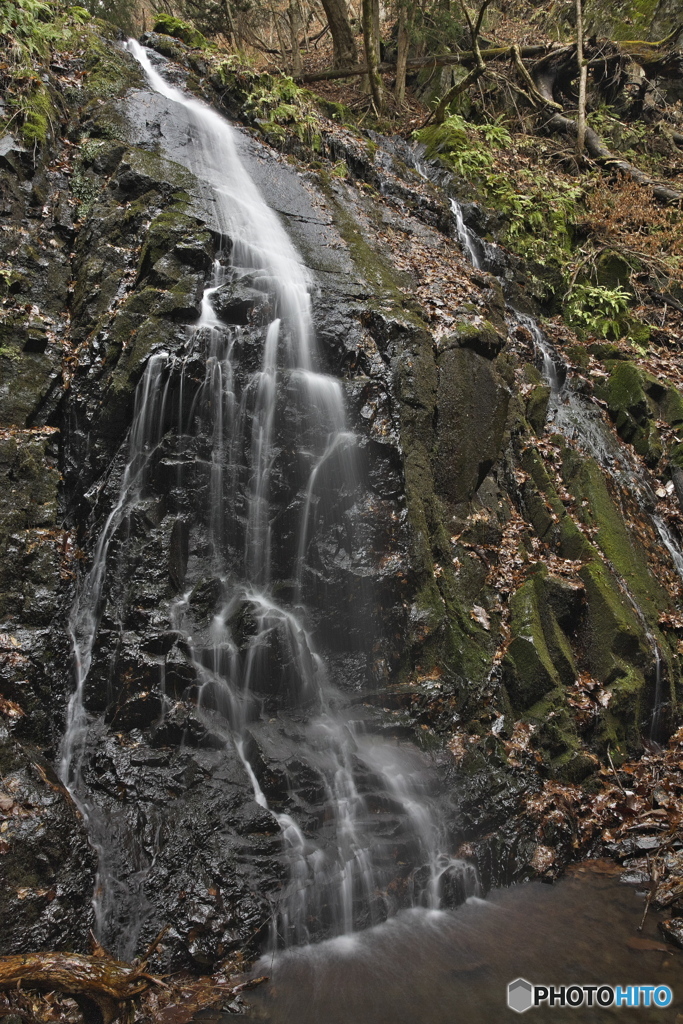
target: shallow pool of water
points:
(453, 967)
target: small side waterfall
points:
(277, 449)
(582, 423)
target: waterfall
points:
(582, 423)
(278, 436)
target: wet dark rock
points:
(672, 930)
(239, 303)
(472, 402)
(47, 863)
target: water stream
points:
(583, 423)
(276, 433)
(453, 967)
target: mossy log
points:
(100, 984)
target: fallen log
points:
(436, 61)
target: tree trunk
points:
(402, 54)
(371, 44)
(583, 76)
(344, 45)
(100, 981)
(439, 61)
(294, 28)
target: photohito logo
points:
(522, 995)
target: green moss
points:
(578, 355)
(612, 630)
(85, 188)
(109, 72)
(547, 513)
(630, 409)
(605, 350)
(377, 271)
(528, 668)
(171, 26)
(623, 550)
(537, 408)
(38, 114)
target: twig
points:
(647, 907)
(609, 755)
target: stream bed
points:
(448, 967)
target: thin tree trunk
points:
(402, 54)
(583, 76)
(294, 28)
(476, 72)
(371, 43)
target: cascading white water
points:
(467, 238)
(115, 900)
(259, 650)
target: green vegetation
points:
(540, 208)
(171, 26)
(593, 309)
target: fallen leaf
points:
(481, 616)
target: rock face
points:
(506, 565)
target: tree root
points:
(100, 984)
(545, 74)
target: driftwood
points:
(100, 984)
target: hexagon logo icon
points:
(520, 995)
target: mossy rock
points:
(539, 658)
(547, 513)
(28, 369)
(166, 45)
(171, 26)
(621, 546)
(481, 337)
(578, 355)
(175, 232)
(109, 70)
(638, 332)
(537, 408)
(605, 350)
(612, 631)
(557, 740)
(473, 404)
(631, 410)
(613, 271)
(531, 374)
(666, 399)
